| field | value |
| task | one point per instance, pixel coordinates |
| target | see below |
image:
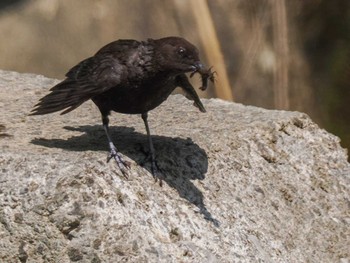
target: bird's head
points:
(177, 55)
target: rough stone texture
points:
(242, 184)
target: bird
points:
(130, 77)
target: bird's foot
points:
(123, 165)
(157, 175)
(155, 170)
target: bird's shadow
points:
(179, 160)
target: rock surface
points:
(242, 184)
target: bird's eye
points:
(181, 51)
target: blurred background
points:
(276, 54)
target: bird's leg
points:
(151, 149)
(114, 153)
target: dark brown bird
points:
(128, 76)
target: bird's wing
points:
(97, 74)
(89, 78)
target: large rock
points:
(241, 184)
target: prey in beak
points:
(205, 74)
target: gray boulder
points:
(241, 184)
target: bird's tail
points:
(64, 95)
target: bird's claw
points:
(157, 175)
(123, 165)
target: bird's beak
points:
(198, 66)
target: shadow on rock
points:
(179, 160)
